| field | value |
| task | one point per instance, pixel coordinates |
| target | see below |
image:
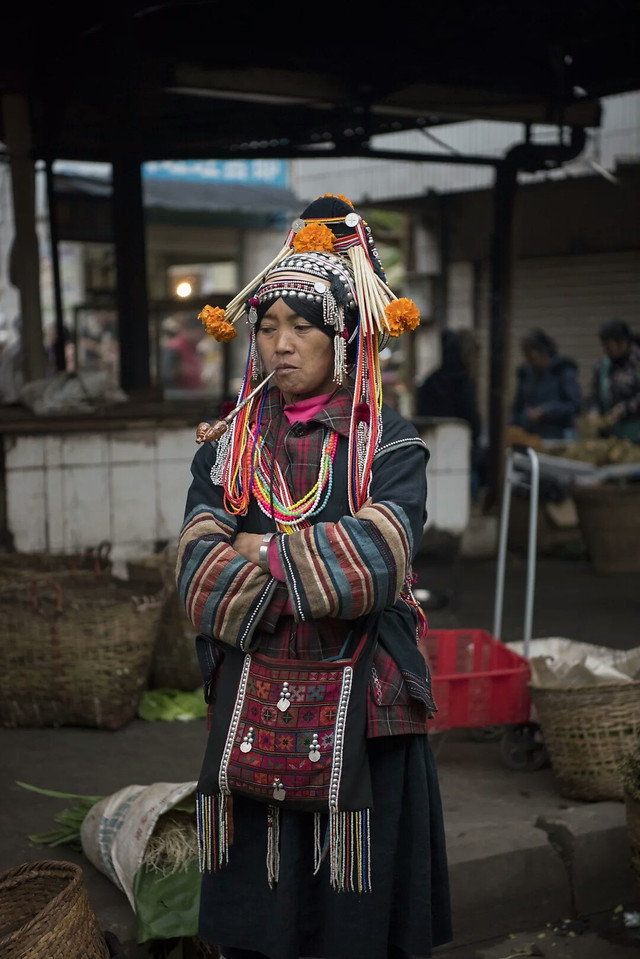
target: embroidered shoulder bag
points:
(292, 733)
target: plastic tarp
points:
(560, 662)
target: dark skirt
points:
(408, 911)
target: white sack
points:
(115, 832)
(557, 661)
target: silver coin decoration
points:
(247, 741)
(352, 219)
(314, 749)
(285, 697)
(278, 790)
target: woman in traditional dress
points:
(300, 527)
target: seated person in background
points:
(548, 395)
(616, 382)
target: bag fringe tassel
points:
(347, 842)
(350, 851)
(212, 820)
(273, 845)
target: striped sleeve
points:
(349, 568)
(359, 564)
(224, 595)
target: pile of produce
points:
(599, 451)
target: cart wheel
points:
(486, 734)
(523, 748)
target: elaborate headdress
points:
(328, 258)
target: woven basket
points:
(45, 913)
(175, 662)
(92, 566)
(587, 731)
(73, 655)
(610, 522)
(632, 807)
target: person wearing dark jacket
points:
(548, 395)
(616, 381)
(450, 391)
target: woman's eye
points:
(303, 327)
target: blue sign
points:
(263, 172)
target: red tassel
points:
(408, 597)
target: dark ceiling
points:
(205, 79)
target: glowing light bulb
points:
(183, 289)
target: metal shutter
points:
(570, 297)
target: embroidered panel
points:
(286, 741)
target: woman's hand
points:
(248, 545)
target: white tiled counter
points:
(66, 490)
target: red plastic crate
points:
(477, 680)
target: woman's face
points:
(300, 352)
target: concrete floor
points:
(570, 599)
(507, 877)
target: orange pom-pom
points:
(315, 237)
(341, 196)
(402, 315)
(213, 320)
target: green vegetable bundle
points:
(69, 820)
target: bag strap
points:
(356, 652)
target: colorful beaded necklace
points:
(252, 471)
(273, 496)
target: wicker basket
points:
(587, 731)
(45, 913)
(175, 662)
(632, 807)
(73, 655)
(609, 518)
(92, 566)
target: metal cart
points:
(479, 683)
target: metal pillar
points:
(528, 157)
(60, 358)
(131, 287)
(25, 254)
(128, 210)
(504, 195)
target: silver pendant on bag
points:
(247, 741)
(285, 697)
(278, 790)
(314, 749)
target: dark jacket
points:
(617, 382)
(449, 390)
(556, 390)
